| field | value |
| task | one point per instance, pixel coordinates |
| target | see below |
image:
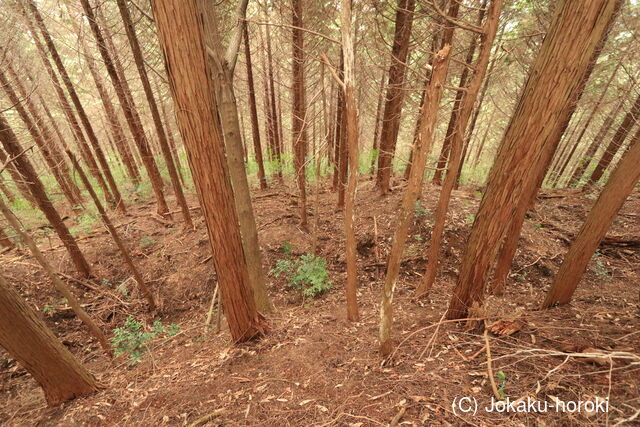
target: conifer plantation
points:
(319, 213)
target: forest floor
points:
(316, 368)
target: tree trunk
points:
(7, 193)
(23, 165)
(5, 242)
(155, 112)
(588, 122)
(339, 138)
(130, 112)
(478, 108)
(299, 110)
(620, 184)
(556, 79)
(18, 179)
(84, 119)
(27, 339)
(275, 131)
(60, 286)
(228, 112)
(255, 125)
(351, 113)
(433, 95)
(510, 242)
(395, 93)
(43, 132)
(76, 130)
(170, 134)
(456, 141)
(616, 142)
(114, 234)
(186, 66)
(377, 124)
(55, 165)
(120, 140)
(595, 143)
(445, 151)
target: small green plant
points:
(418, 238)
(122, 288)
(470, 218)
(133, 339)
(420, 211)
(503, 383)
(147, 241)
(53, 306)
(85, 224)
(600, 267)
(307, 274)
(286, 247)
(538, 225)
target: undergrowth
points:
(307, 274)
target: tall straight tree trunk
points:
(621, 183)
(275, 131)
(395, 93)
(376, 127)
(23, 165)
(351, 113)
(155, 112)
(222, 70)
(632, 117)
(299, 110)
(84, 119)
(446, 39)
(130, 112)
(430, 107)
(255, 124)
(456, 141)
(186, 64)
(455, 112)
(339, 138)
(114, 123)
(542, 113)
(28, 340)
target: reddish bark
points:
(395, 92)
(255, 126)
(186, 65)
(13, 148)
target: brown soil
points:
(316, 368)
